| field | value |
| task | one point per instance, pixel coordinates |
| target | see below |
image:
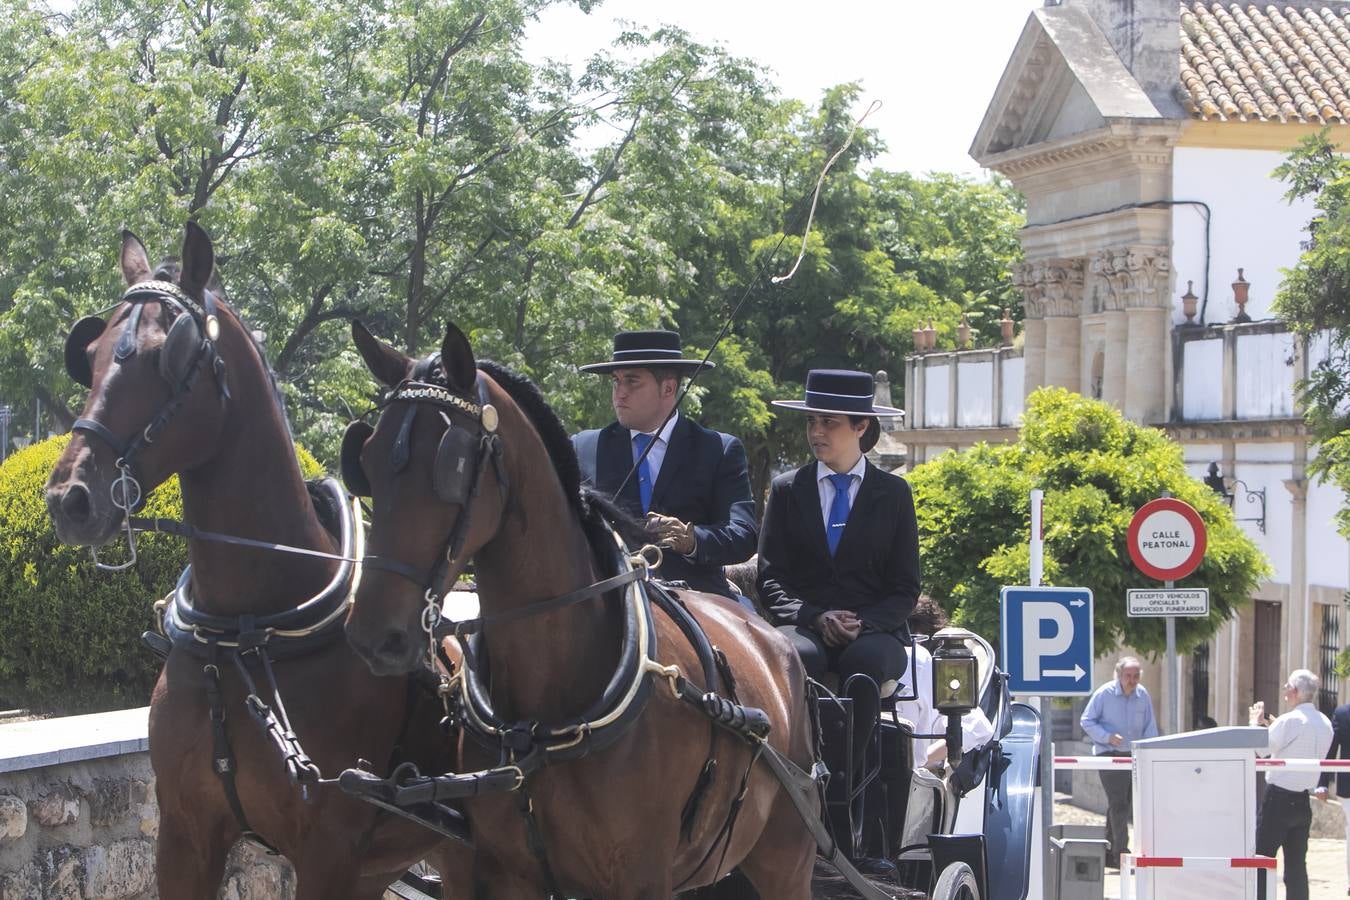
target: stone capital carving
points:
(1051, 287)
(1026, 280)
(1133, 277)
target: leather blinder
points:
(452, 472)
(353, 440)
(84, 333)
(181, 345)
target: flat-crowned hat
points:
(841, 392)
(647, 350)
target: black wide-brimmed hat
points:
(840, 392)
(647, 350)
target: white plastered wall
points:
(1251, 227)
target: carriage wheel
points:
(418, 883)
(957, 882)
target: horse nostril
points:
(393, 647)
(75, 503)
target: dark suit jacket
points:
(1340, 749)
(704, 480)
(875, 572)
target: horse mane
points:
(530, 399)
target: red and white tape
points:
(1201, 862)
(1284, 765)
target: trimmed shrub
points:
(70, 635)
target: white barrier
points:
(1257, 865)
(1284, 765)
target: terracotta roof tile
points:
(1254, 62)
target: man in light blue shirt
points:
(1119, 713)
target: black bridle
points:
(192, 337)
(462, 457)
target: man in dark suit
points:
(1340, 749)
(693, 485)
(839, 550)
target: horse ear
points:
(135, 261)
(199, 260)
(387, 365)
(461, 371)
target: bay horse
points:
(173, 354)
(467, 460)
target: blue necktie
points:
(838, 510)
(644, 474)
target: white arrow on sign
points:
(1075, 673)
(1078, 603)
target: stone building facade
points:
(1143, 134)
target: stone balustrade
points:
(78, 818)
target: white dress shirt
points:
(826, 486)
(658, 451)
(1302, 733)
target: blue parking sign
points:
(1047, 646)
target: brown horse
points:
(221, 427)
(608, 824)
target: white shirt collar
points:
(664, 436)
(823, 471)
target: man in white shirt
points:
(1286, 813)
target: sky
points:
(933, 65)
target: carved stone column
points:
(1144, 277)
(1063, 284)
(1115, 350)
(1027, 279)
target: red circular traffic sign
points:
(1167, 539)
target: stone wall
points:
(78, 819)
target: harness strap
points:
(223, 756)
(275, 723)
(534, 836)
(192, 532)
(471, 626)
(99, 430)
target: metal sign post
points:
(1047, 650)
(1167, 541)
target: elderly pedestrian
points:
(1119, 713)
(1286, 813)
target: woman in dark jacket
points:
(839, 547)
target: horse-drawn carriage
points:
(591, 732)
(961, 832)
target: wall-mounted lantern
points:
(1227, 489)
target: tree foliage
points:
(71, 640)
(1314, 300)
(1096, 468)
(405, 164)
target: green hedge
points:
(70, 635)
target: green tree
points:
(1314, 299)
(71, 640)
(1096, 468)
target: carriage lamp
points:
(955, 683)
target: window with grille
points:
(1329, 648)
(1200, 685)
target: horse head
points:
(142, 421)
(432, 465)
